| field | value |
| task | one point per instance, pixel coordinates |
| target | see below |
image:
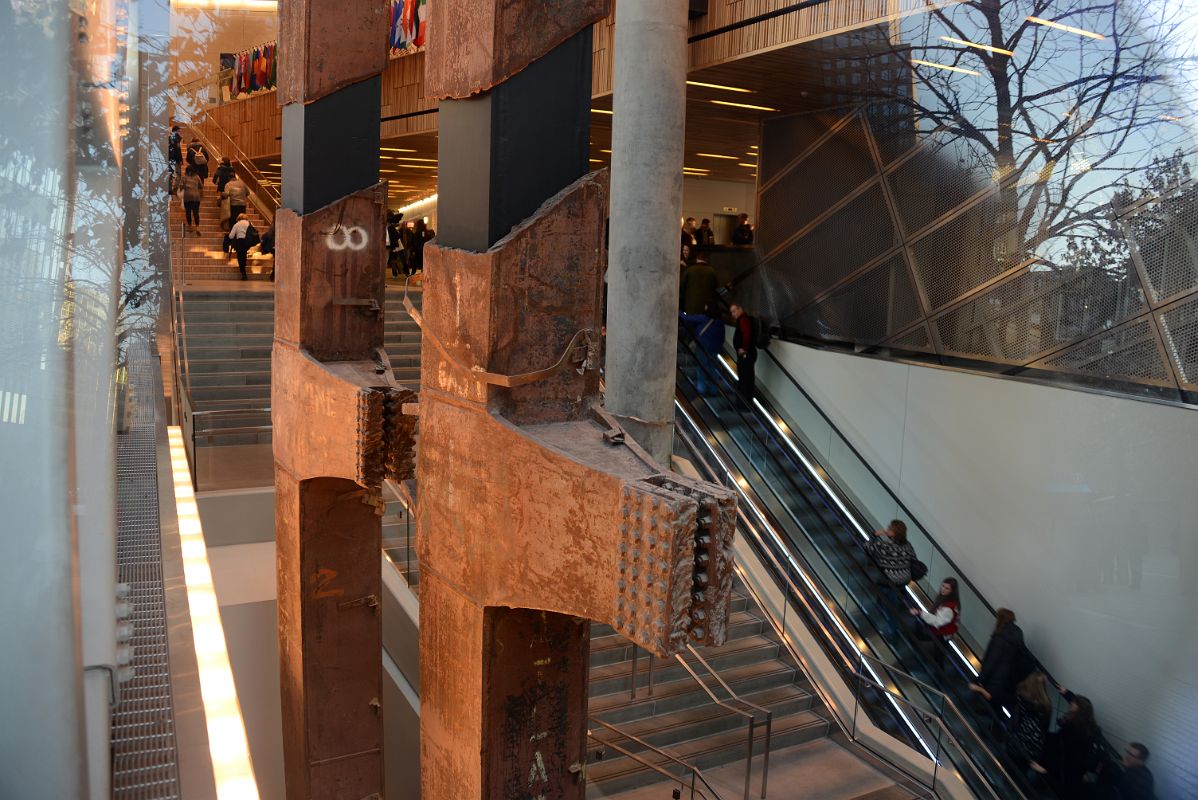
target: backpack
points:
(200, 159)
(761, 333)
(251, 236)
(919, 570)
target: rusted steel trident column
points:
(337, 414)
(536, 513)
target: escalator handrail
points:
(1039, 665)
(829, 603)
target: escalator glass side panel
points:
(786, 496)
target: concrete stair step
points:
(615, 774)
(230, 379)
(746, 650)
(682, 692)
(611, 648)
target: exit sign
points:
(730, 209)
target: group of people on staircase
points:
(1073, 758)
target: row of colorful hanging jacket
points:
(255, 69)
(409, 23)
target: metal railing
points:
(748, 715)
(822, 614)
(698, 781)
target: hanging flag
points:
(421, 22)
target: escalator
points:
(811, 524)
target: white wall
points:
(1036, 492)
(200, 35)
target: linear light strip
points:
(948, 67)
(228, 747)
(1067, 28)
(741, 486)
(978, 45)
(719, 86)
(742, 105)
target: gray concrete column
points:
(646, 200)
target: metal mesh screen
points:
(144, 758)
(1166, 236)
(933, 182)
(1181, 339)
(1129, 354)
(917, 339)
(843, 164)
(866, 310)
(786, 137)
(1008, 275)
(962, 253)
(817, 260)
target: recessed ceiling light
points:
(398, 150)
(744, 164)
(412, 158)
(742, 105)
(719, 86)
(716, 155)
(602, 111)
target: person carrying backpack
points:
(241, 238)
(197, 158)
(745, 341)
(943, 619)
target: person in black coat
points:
(1003, 664)
(1136, 781)
(1073, 752)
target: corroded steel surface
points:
(475, 45)
(328, 618)
(531, 498)
(329, 46)
(339, 429)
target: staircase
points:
(202, 256)
(680, 718)
(226, 336)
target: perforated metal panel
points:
(1074, 299)
(866, 310)
(917, 339)
(1180, 329)
(1127, 354)
(1165, 234)
(843, 164)
(964, 252)
(144, 758)
(787, 137)
(817, 260)
(934, 181)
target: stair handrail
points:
(696, 773)
(769, 715)
(792, 589)
(233, 152)
(847, 499)
(752, 719)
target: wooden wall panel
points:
(254, 123)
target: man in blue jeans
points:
(708, 331)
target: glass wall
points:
(1000, 184)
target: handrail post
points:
(635, 653)
(749, 760)
(765, 765)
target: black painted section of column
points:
(331, 146)
(504, 153)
